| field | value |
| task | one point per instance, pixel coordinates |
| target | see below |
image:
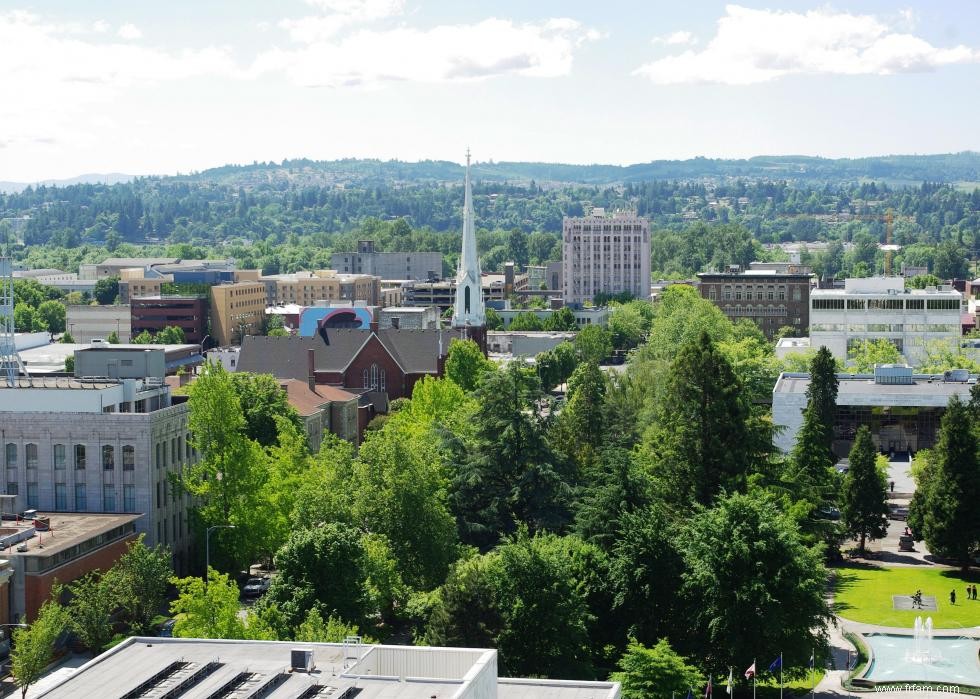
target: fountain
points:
(922, 650)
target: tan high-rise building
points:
(605, 253)
(237, 310)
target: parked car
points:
(254, 587)
(899, 512)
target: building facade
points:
(108, 446)
(409, 318)
(605, 253)
(881, 308)
(421, 266)
(237, 310)
(770, 299)
(153, 314)
(903, 410)
(307, 288)
(87, 323)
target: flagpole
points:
(813, 672)
(780, 676)
(753, 678)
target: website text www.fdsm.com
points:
(947, 688)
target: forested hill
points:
(899, 169)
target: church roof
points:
(415, 351)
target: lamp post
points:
(207, 549)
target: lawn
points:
(865, 594)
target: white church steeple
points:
(469, 310)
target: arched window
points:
(366, 384)
(129, 458)
(374, 376)
(466, 299)
(382, 386)
(108, 458)
(30, 451)
(11, 455)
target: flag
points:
(707, 690)
(750, 673)
(728, 688)
(690, 693)
(777, 663)
(811, 660)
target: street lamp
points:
(207, 549)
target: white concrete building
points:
(607, 253)
(902, 409)
(290, 670)
(881, 308)
(100, 445)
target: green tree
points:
(950, 520)
(33, 647)
(106, 290)
(580, 427)
(526, 321)
(170, 335)
(70, 365)
(213, 611)
(67, 339)
(867, 353)
(812, 459)
(315, 630)
(611, 488)
(27, 319)
(263, 401)
(921, 281)
(593, 343)
(751, 583)
(562, 320)
(703, 443)
(113, 338)
(950, 261)
(144, 338)
(629, 323)
(864, 496)
(93, 600)
(141, 577)
(556, 365)
(466, 365)
(509, 474)
(493, 320)
(655, 672)
(52, 314)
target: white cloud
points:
(100, 26)
(754, 46)
(338, 15)
(678, 38)
(61, 76)
(129, 32)
(444, 53)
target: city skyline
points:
(110, 87)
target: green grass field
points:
(865, 594)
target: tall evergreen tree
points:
(950, 519)
(812, 459)
(510, 473)
(864, 498)
(822, 393)
(703, 443)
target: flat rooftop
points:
(67, 529)
(62, 382)
(864, 384)
(156, 664)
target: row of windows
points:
(59, 456)
(375, 378)
(81, 497)
(886, 304)
(946, 328)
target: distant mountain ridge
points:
(952, 167)
(91, 178)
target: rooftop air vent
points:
(301, 659)
(893, 374)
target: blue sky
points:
(160, 87)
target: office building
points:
(583, 316)
(87, 323)
(154, 313)
(388, 265)
(306, 288)
(203, 669)
(605, 253)
(903, 410)
(237, 310)
(408, 317)
(106, 445)
(769, 297)
(55, 548)
(882, 308)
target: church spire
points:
(469, 310)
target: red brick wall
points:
(37, 588)
(374, 352)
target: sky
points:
(179, 86)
